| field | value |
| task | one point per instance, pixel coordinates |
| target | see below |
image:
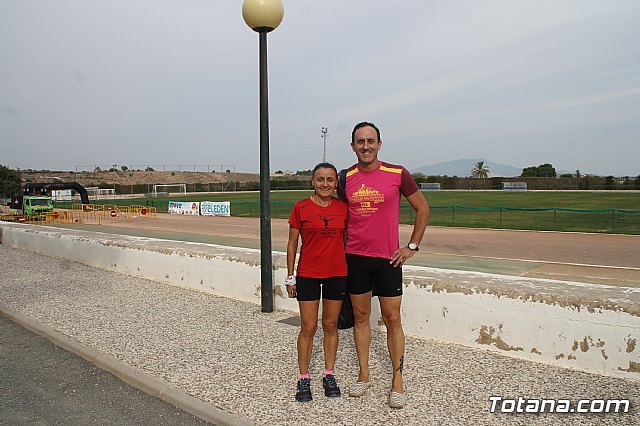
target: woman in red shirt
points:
(320, 221)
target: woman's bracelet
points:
(291, 280)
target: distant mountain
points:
(462, 168)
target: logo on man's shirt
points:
(367, 198)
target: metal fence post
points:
(613, 221)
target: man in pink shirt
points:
(374, 255)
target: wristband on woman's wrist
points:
(291, 280)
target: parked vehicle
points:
(35, 199)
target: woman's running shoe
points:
(303, 393)
(330, 385)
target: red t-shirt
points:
(322, 232)
(374, 207)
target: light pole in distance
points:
(324, 132)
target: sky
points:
(176, 82)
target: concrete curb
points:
(130, 375)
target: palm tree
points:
(480, 170)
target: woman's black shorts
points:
(333, 288)
(373, 274)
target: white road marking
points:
(630, 268)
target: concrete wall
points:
(584, 326)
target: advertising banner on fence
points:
(184, 207)
(215, 208)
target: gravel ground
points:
(229, 354)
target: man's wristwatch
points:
(413, 246)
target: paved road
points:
(42, 384)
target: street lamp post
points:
(264, 16)
(324, 132)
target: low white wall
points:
(590, 327)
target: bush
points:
(609, 182)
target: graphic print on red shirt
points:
(322, 232)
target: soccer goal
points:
(162, 189)
(96, 193)
(106, 193)
(92, 192)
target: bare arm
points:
(292, 248)
(420, 205)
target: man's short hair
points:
(364, 124)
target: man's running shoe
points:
(359, 388)
(330, 385)
(397, 400)
(303, 394)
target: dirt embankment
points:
(120, 177)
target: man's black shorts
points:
(373, 273)
(333, 288)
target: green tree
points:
(480, 170)
(529, 172)
(546, 170)
(149, 169)
(543, 170)
(9, 182)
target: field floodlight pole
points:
(264, 16)
(324, 132)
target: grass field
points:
(617, 212)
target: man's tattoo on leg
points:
(401, 366)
